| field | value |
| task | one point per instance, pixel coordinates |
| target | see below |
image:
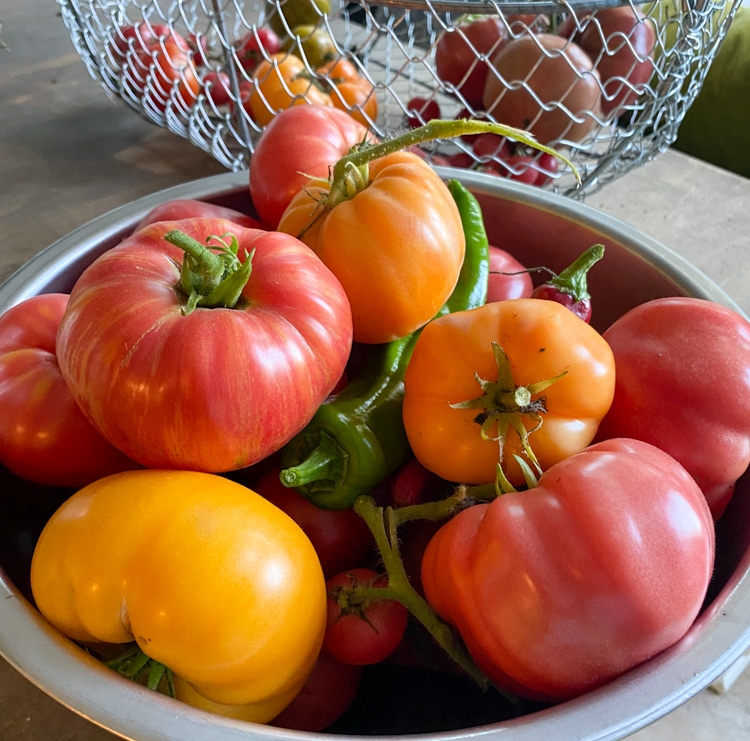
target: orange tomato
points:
(351, 91)
(397, 245)
(541, 339)
(280, 83)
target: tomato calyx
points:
(341, 181)
(137, 666)
(504, 406)
(354, 598)
(210, 277)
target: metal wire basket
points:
(198, 88)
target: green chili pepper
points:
(357, 438)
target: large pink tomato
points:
(301, 142)
(559, 589)
(182, 367)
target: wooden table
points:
(69, 154)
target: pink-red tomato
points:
(340, 537)
(683, 384)
(621, 43)
(300, 142)
(366, 633)
(508, 278)
(188, 208)
(136, 38)
(212, 389)
(461, 51)
(559, 589)
(256, 45)
(44, 436)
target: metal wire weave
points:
(393, 45)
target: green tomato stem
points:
(383, 528)
(573, 280)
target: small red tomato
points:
(508, 278)
(217, 87)
(421, 110)
(340, 537)
(367, 630)
(257, 44)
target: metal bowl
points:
(541, 228)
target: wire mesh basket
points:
(606, 81)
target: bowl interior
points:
(540, 229)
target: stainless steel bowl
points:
(541, 228)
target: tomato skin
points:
(217, 389)
(508, 575)
(516, 284)
(368, 638)
(301, 142)
(125, 559)
(404, 226)
(622, 45)
(187, 208)
(340, 537)
(541, 339)
(560, 72)
(683, 384)
(457, 51)
(44, 436)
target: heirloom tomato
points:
(239, 622)
(683, 384)
(187, 208)
(209, 388)
(457, 360)
(558, 589)
(351, 91)
(44, 436)
(302, 142)
(395, 242)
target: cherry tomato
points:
(421, 110)
(365, 632)
(301, 142)
(559, 73)
(259, 43)
(44, 436)
(211, 388)
(541, 340)
(340, 537)
(216, 85)
(508, 278)
(125, 559)
(559, 589)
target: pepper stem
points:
(326, 462)
(210, 277)
(572, 280)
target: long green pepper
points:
(356, 438)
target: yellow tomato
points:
(209, 579)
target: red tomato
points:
(508, 278)
(683, 384)
(559, 589)
(365, 632)
(257, 44)
(421, 110)
(217, 87)
(340, 537)
(186, 208)
(212, 389)
(299, 143)
(137, 38)
(326, 696)
(621, 43)
(44, 436)
(459, 51)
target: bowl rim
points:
(613, 712)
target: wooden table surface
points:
(69, 154)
